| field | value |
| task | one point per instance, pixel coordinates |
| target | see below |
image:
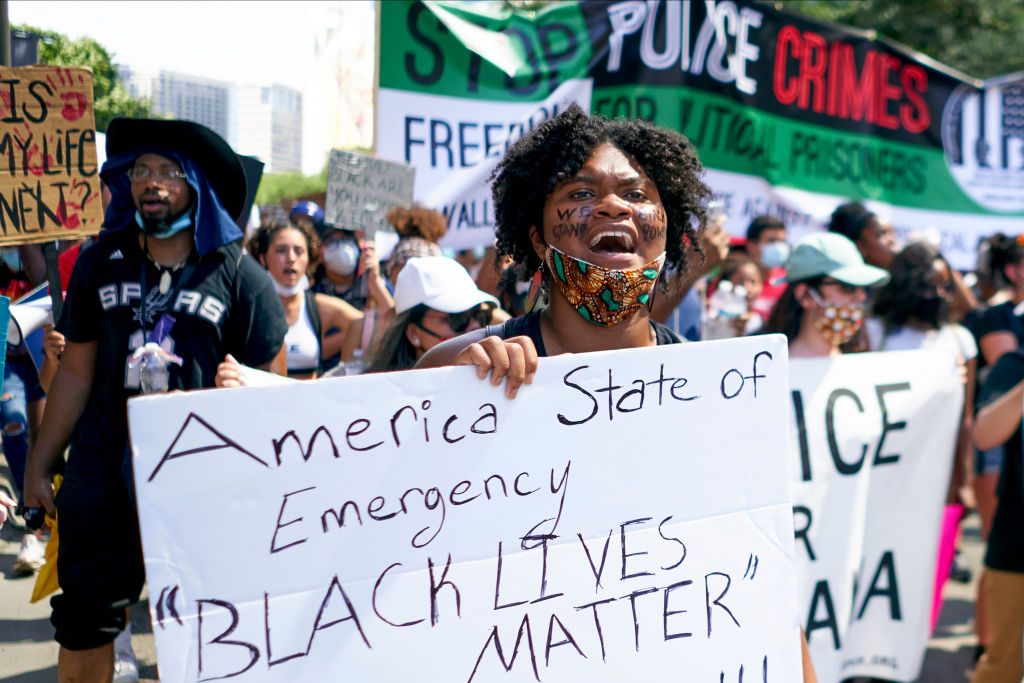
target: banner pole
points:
(376, 70)
(53, 277)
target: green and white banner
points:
(791, 116)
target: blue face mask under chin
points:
(183, 221)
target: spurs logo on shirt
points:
(188, 301)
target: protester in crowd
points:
(306, 214)
(998, 422)
(419, 230)
(177, 188)
(767, 247)
(998, 328)
(744, 284)
(350, 270)
(286, 250)
(621, 176)
(435, 300)
(471, 259)
(992, 288)
(873, 237)
(1002, 326)
(822, 307)
(912, 312)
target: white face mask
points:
(341, 256)
(285, 290)
(774, 254)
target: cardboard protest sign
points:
(362, 189)
(873, 445)
(626, 517)
(791, 116)
(49, 178)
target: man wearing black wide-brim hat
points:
(154, 305)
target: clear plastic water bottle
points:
(154, 367)
(727, 303)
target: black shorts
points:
(99, 563)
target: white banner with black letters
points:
(626, 517)
(873, 440)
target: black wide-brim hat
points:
(209, 151)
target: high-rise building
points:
(192, 98)
(269, 126)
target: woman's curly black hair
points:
(557, 149)
(909, 271)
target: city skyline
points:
(323, 50)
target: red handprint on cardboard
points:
(49, 179)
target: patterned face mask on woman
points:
(602, 296)
(838, 324)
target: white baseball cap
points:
(439, 283)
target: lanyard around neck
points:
(186, 274)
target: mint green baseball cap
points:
(832, 255)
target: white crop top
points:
(303, 348)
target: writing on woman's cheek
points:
(566, 228)
(652, 223)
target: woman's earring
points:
(535, 283)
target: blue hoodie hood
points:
(214, 226)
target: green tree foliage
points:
(277, 186)
(111, 99)
(977, 37)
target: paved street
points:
(29, 655)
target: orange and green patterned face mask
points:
(602, 296)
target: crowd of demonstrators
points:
(323, 296)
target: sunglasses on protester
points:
(460, 321)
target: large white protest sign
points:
(362, 189)
(873, 448)
(626, 517)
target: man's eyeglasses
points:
(843, 287)
(140, 173)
